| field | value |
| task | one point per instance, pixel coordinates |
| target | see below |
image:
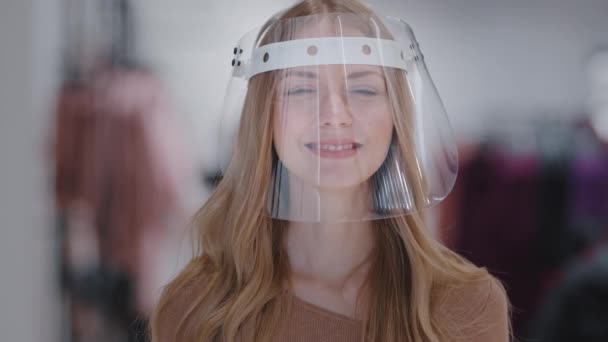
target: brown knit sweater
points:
(309, 322)
(477, 312)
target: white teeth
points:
(336, 147)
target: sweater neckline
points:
(321, 310)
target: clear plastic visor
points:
(358, 129)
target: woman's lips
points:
(334, 149)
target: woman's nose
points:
(334, 110)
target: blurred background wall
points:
(29, 34)
(493, 62)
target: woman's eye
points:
(364, 91)
(300, 91)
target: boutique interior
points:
(110, 116)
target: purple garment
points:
(590, 189)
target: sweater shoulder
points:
(171, 318)
(476, 310)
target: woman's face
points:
(332, 124)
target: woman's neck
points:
(332, 255)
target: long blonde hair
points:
(230, 290)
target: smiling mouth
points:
(333, 147)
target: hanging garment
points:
(494, 223)
(119, 153)
(590, 195)
(556, 242)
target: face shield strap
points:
(323, 51)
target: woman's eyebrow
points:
(360, 74)
(313, 75)
(305, 74)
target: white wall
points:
(190, 42)
(29, 310)
(492, 58)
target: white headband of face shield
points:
(323, 51)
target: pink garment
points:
(119, 151)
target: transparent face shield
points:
(358, 130)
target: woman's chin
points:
(333, 184)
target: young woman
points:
(317, 230)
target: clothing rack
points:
(528, 199)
